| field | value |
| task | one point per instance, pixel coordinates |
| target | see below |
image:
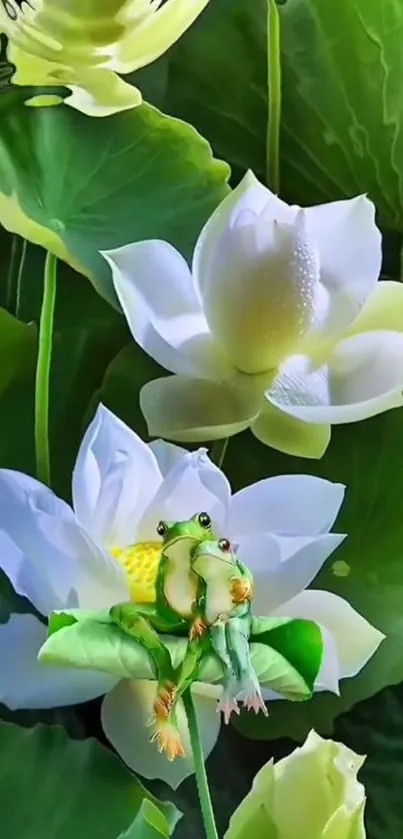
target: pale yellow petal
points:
(383, 310)
(157, 32)
(290, 435)
(83, 46)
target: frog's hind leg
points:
(228, 702)
(131, 621)
(166, 728)
(248, 690)
(129, 617)
(163, 722)
(166, 689)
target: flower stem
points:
(218, 451)
(200, 769)
(11, 271)
(19, 277)
(43, 371)
(14, 276)
(274, 88)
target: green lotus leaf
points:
(55, 787)
(90, 642)
(136, 175)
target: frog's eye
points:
(204, 520)
(161, 528)
(224, 545)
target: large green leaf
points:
(88, 334)
(150, 823)
(342, 101)
(342, 114)
(79, 361)
(286, 657)
(56, 788)
(367, 570)
(78, 185)
(217, 80)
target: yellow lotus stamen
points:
(140, 562)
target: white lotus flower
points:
(281, 326)
(87, 46)
(107, 550)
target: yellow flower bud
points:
(311, 794)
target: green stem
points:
(11, 270)
(43, 371)
(200, 769)
(19, 278)
(218, 451)
(274, 87)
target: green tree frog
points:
(224, 593)
(177, 585)
(226, 604)
(176, 610)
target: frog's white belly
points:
(218, 600)
(180, 590)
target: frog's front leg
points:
(241, 589)
(160, 622)
(198, 622)
(242, 586)
(198, 627)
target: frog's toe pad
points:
(198, 628)
(240, 590)
(254, 702)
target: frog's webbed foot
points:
(251, 695)
(254, 702)
(165, 732)
(167, 738)
(198, 628)
(227, 705)
(241, 590)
